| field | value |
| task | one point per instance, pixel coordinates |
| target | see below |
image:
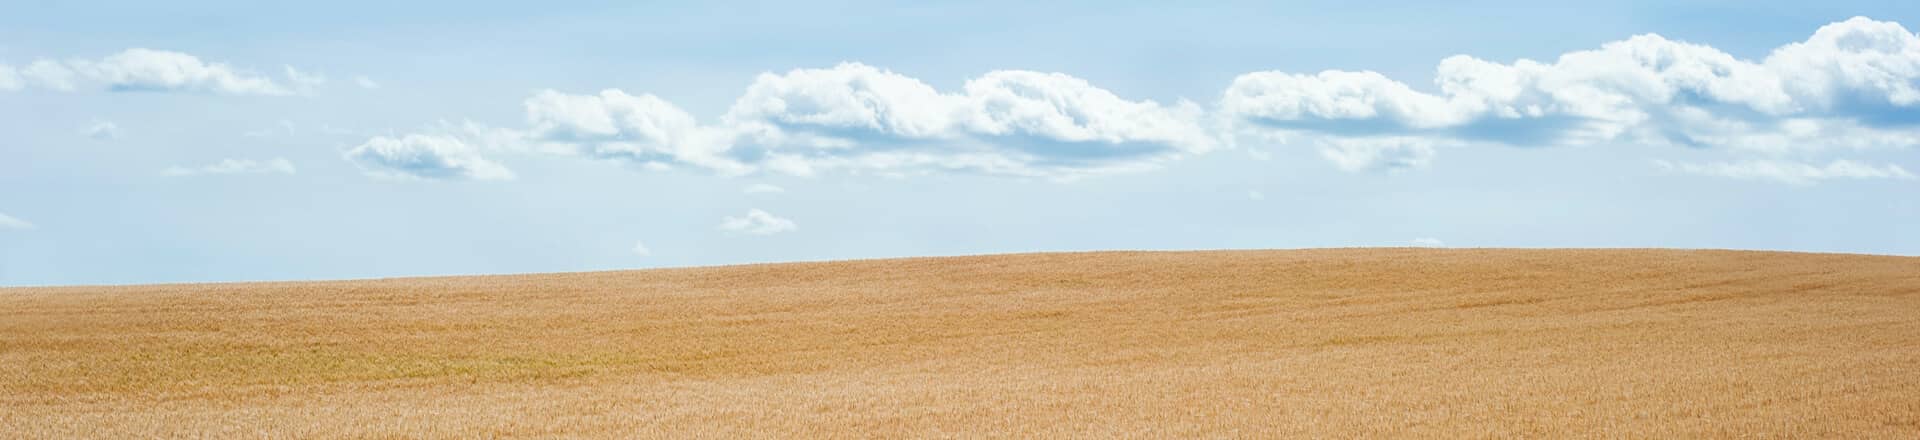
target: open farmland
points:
(1321, 343)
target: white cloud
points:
(425, 157)
(304, 82)
(1429, 242)
(365, 82)
(858, 118)
(757, 222)
(1009, 103)
(614, 124)
(50, 74)
(158, 70)
(1392, 153)
(1850, 85)
(10, 222)
(762, 188)
(1256, 195)
(142, 69)
(234, 166)
(1790, 172)
(640, 249)
(103, 130)
(1009, 122)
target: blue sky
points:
(222, 141)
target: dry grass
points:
(1322, 343)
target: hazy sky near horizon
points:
(227, 140)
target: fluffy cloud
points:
(757, 222)
(640, 249)
(858, 118)
(613, 124)
(153, 70)
(854, 116)
(1789, 172)
(49, 74)
(1427, 242)
(234, 166)
(10, 222)
(425, 157)
(1851, 85)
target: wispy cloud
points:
(304, 82)
(426, 157)
(102, 130)
(757, 222)
(234, 166)
(149, 70)
(1789, 172)
(762, 188)
(14, 223)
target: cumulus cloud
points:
(757, 222)
(862, 119)
(1850, 85)
(419, 156)
(102, 130)
(1428, 242)
(234, 166)
(1790, 172)
(1009, 122)
(49, 74)
(762, 188)
(10, 222)
(158, 70)
(614, 124)
(142, 69)
(640, 249)
(365, 82)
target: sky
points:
(194, 141)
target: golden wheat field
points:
(1234, 344)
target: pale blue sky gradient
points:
(103, 211)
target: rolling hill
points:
(1444, 343)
